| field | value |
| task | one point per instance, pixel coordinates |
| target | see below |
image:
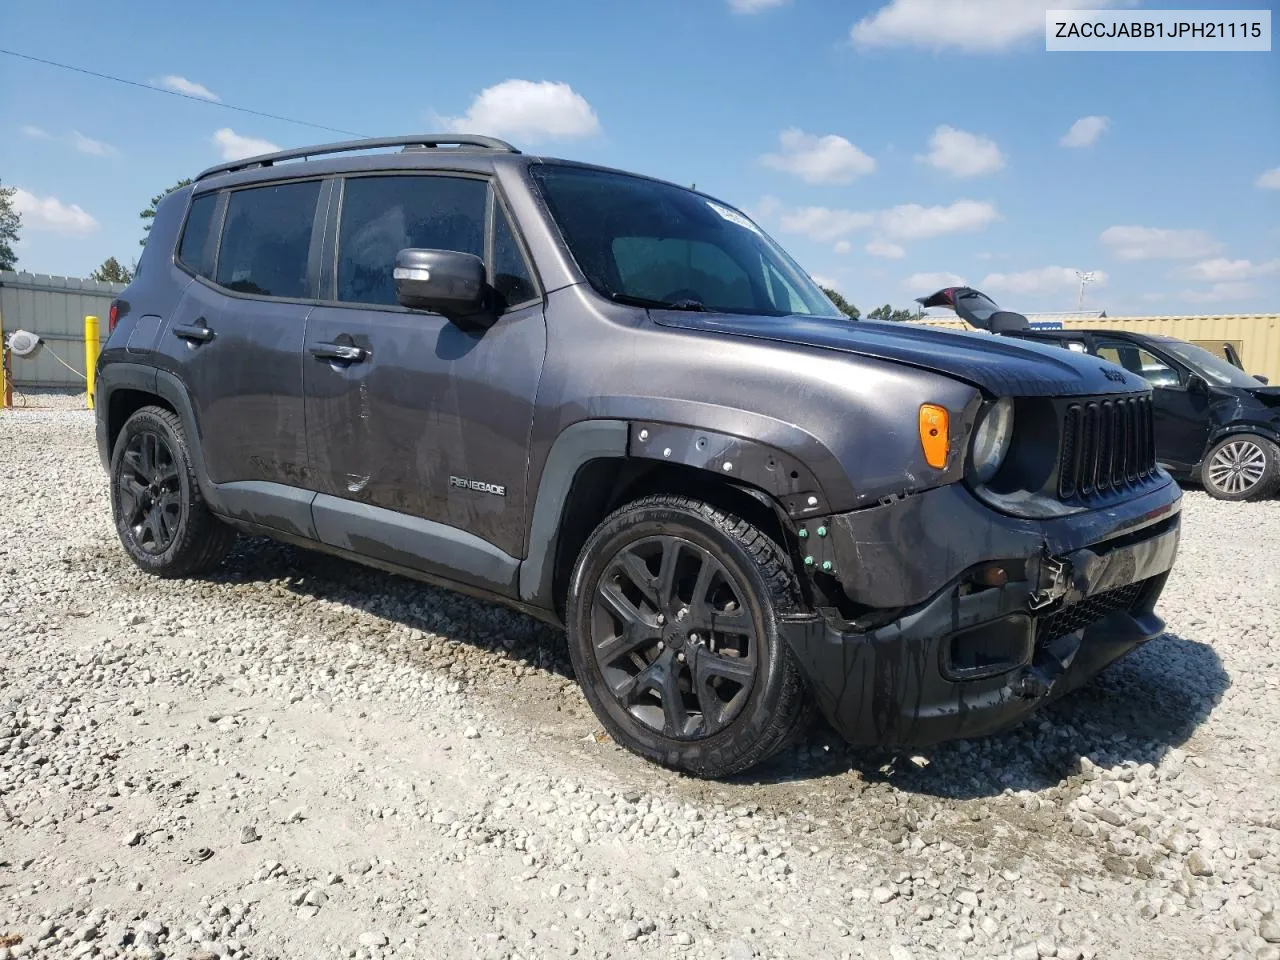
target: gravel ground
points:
(301, 758)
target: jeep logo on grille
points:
(497, 489)
(1115, 375)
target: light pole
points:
(1084, 277)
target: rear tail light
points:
(113, 316)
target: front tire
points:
(160, 516)
(672, 621)
(1243, 466)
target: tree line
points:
(110, 270)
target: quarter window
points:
(196, 251)
(267, 240)
(511, 277)
(383, 215)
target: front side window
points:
(267, 240)
(654, 243)
(196, 250)
(1136, 360)
(383, 215)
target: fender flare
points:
(775, 478)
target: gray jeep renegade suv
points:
(617, 405)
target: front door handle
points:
(193, 332)
(341, 352)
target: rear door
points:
(236, 337)
(418, 436)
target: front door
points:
(236, 336)
(418, 429)
(1180, 415)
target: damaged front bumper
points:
(981, 618)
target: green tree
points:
(887, 312)
(112, 271)
(843, 305)
(149, 215)
(10, 222)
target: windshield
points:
(1212, 367)
(652, 243)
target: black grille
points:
(1106, 447)
(1087, 612)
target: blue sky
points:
(890, 145)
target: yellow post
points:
(91, 348)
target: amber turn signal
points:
(934, 440)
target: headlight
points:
(991, 439)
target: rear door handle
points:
(193, 332)
(341, 352)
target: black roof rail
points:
(427, 141)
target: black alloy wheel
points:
(150, 494)
(673, 637)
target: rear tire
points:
(160, 516)
(1243, 466)
(672, 621)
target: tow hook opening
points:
(1029, 685)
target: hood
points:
(1267, 396)
(1000, 365)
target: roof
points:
(466, 152)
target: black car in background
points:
(1214, 423)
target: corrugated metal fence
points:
(54, 308)
(1255, 336)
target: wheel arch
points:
(597, 466)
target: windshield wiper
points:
(684, 304)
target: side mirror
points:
(1197, 384)
(1260, 378)
(444, 281)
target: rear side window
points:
(511, 277)
(383, 215)
(196, 250)
(267, 240)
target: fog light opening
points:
(992, 575)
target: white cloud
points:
(88, 145)
(1223, 269)
(823, 281)
(182, 85)
(1221, 291)
(235, 146)
(528, 110)
(822, 223)
(52, 215)
(926, 283)
(963, 154)
(974, 26)
(1085, 131)
(910, 221)
(35, 133)
(753, 6)
(1043, 280)
(883, 248)
(1269, 180)
(842, 246)
(829, 159)
(1158, 243)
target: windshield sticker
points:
(733, 216)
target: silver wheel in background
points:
(1237, 467)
